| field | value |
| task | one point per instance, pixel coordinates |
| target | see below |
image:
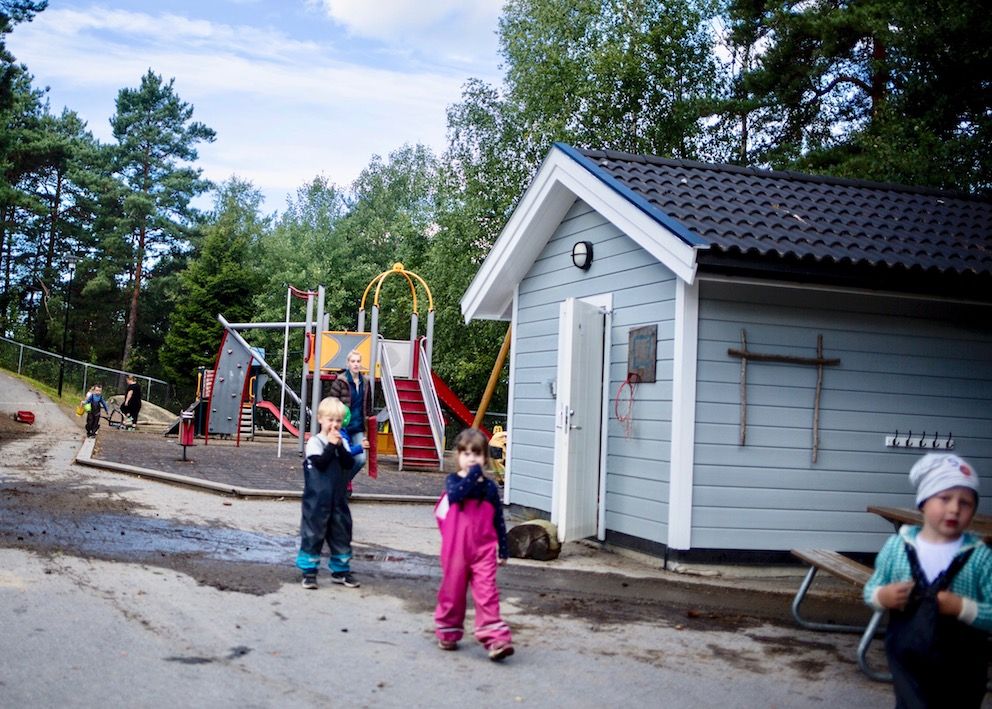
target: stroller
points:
(119, 420)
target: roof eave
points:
(564, 176)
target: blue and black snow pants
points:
(326, 517)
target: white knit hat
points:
(936, 472)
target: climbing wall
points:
(231, 369)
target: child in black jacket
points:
(326, 515)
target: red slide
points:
(450, 400)
(269, 406)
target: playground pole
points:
(285, 361)
(375, 350)
(316, 386)
(303, 379)
(430, 338)
(493, 379)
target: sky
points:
(293, 88)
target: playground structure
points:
(230, 394)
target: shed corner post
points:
(686, 339)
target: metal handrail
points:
(86, 366)
(392, 401)
(431, 402)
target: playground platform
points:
(253, 464)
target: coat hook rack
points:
(934, 442)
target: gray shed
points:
(708, 357)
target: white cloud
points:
(207, 57)
(285, 110)
(453, 28)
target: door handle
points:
(564, 419)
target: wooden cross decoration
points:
(819, 362)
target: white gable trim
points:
(683, 415)
(559, 182)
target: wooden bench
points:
(854, 573)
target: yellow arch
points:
(409, 276)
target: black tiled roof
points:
(744, 213)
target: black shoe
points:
(345, 578)
(310, 581)
(497, 653)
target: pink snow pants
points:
(469, 549)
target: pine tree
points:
(156, 139)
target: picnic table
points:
(898, 516)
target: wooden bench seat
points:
(853, 572)
(835, 564)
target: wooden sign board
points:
(642, 353)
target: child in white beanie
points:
(936, 581)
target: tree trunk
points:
(3, 243)
(132, 319)
(53, 223)
(879, 76)
(745, 114)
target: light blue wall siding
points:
(643, 294)
(905, 364)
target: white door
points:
(578, 420)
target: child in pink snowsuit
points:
(473, 544)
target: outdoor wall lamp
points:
(582, 254)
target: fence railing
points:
(79, 376)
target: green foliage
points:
(222, 280)
(881, 89)
(629, 75)
(296, 250)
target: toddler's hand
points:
(333, 436)
(949, 603)
(365, 443)
(895, 595)
(502, 561)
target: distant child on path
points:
(94, 398)
(936, 581)
(132, 399)
(473, 543)
(326, 516)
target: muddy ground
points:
(102, 521)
